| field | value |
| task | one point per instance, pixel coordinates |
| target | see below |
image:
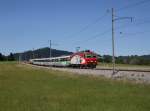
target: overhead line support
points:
(113, 37)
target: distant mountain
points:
(40, 53)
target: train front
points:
(90, 59)
(84, 59)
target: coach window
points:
(61, 59)
(56, 60)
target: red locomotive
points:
(84, 59)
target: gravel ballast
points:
(140, 77)
(135, 76)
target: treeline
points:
(133, 59)
(10, 57)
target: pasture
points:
(24, 88)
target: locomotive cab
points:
(91, 60)
(85, 58)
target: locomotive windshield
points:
(90, 56)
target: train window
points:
(46, 60)
(90, 56)
(56, 60)
(63, 59)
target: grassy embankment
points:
(23, 88)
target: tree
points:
(2, 57)
(119, 60)
(11, 57)
(107, 58)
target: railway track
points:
(130, 70)
(139, 76)
(109, 69)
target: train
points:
(81, 59)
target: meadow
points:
(24, 88)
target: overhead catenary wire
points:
(94, 37)
(134, 33)
(102, 17)
(108, 30)
(133, 5)
(120, 9)
(136, 24)
(88, 26)
(126, 7)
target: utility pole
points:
(113, 42)
(113, 36)
(20, 58)
(33, 53)
(50, 46)
(77, 49)
(26, 58)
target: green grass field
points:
(23, 88)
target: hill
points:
(40, 53)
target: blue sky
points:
(28, 24)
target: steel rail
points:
(131, 70)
